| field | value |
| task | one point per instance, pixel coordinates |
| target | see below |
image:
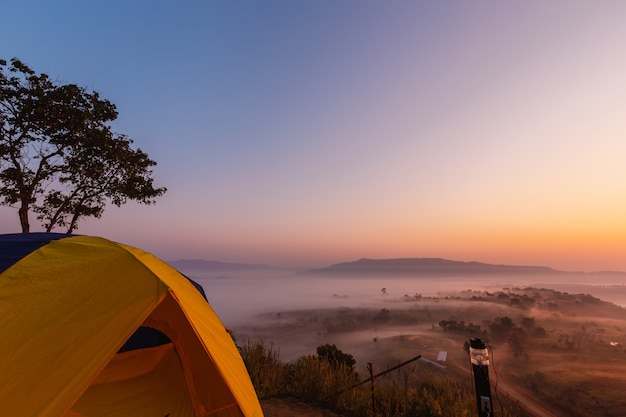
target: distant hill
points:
(429, 266)
(196, 264)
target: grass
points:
(412, 391)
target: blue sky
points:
(308, 133)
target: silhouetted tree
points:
(501, 327)
(58, 155)
(516, 340)
(383, 316)
(528, 323)
(460, 327)
(335, 356)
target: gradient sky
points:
(305, 133)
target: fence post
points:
(369, 368)
(479, 358)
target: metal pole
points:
(369, 368)
(479, 358)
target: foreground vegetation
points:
(329, 379)
(566, 351)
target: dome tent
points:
(89, 327)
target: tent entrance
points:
(144, 382)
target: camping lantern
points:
(479, 358)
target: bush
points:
(266, 370)
(314, 380)
(334, 356)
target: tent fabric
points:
(68, 307)
(15, 246)
(142, 382)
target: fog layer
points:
(239, 297)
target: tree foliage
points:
(335, 356)
(460, 327)
(59, 157)
(501, 328)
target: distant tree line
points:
(500, 329)
(471, 329)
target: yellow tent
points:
(89, 327)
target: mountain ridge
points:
(392, 266)
(430, 266)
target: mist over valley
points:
(556, 336)
(240, 292)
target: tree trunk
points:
(72, 226)
(23, 213)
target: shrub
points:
(265, 368)
(334, 356)
(314, 380)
